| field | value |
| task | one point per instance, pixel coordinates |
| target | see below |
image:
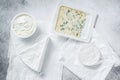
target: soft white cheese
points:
(23, 25)
(90, 55)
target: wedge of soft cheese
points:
(90, 56)
(34, 57)
(70, 21)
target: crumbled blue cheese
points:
(70, 21)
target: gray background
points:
(108, 23)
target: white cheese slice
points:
(34, 56)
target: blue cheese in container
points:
(70, 21)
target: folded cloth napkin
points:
(71, 50)
(33, 57)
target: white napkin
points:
(18, 71)
(33, 57)
(70, 53)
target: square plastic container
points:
(86, 32)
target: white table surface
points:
(107, 23)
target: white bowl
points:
(23, 25)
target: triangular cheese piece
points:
(34, 56)
(68, 75)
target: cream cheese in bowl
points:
(23, 25)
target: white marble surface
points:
(108, 23)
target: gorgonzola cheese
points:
(70, 21)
